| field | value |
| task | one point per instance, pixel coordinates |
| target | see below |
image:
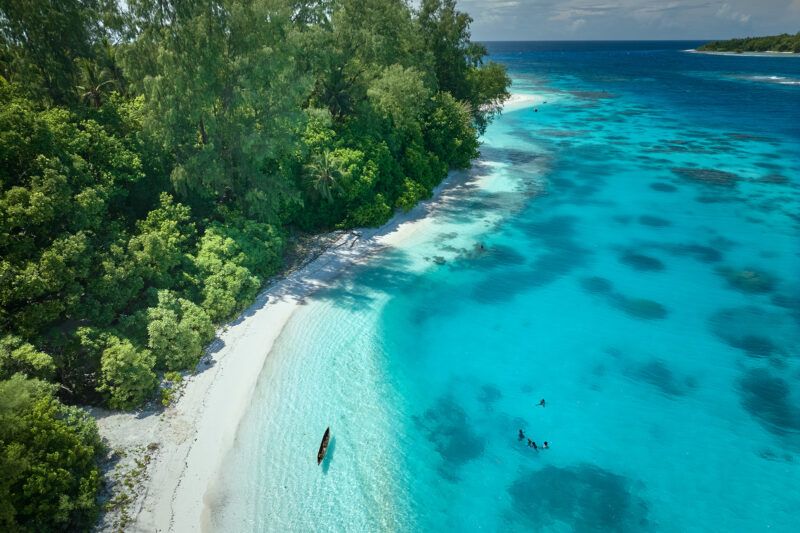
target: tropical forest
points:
(774, 43)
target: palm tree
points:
(108, 55)
(324, 174)
(93, 80)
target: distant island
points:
(774, 43)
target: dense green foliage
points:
(774, 43)
(48, 476)
(155, 157)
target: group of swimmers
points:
(532, 444)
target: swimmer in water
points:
(521, 435)
(540, 403)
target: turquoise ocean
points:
(640, 272)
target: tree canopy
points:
(774, 43)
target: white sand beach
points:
(769, 53)
(189, 440)
(522, 100)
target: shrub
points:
(48, 451)
(127, 376)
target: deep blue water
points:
(639, 271)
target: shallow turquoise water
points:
(642, 246)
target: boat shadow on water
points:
(326, 462)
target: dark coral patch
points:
(501, 256)
(774, 179)
(756, 345)
(583, 498)
(656, 373)
(448, 427)
(640, 307)
(596, 285)
(656, 222)
(489, 394)
(750, 280)
(663, 187)
(715, 200)
(754, 330)
(519, 157)
(770, 400)
(598, 95)
(505, 285)
(641, 262)
(708, 176)
(702, 253)
(787, 301)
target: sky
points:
(542, 20)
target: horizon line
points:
(589, 40)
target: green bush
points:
(48, 452)
(177, 331)
(17, 356)
(411, 194)
(127, 376)
(372, 214)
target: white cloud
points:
(630, 19)
(727, 12)
(577, 24)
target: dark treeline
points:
(774, 43)
(154, 162)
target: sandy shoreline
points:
(189, 440)
(768, 53)
(522, 100)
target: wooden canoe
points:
(323, 447)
